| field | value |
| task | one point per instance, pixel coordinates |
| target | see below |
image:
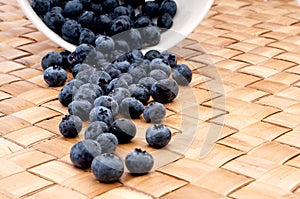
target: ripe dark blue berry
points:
(107, 168)
(164, 91)
(73, 9)
(85, 93)
(55, 76)
(158, 63)
(51, 59)
(87, 36)
(135, 3)
(110, 5)
(151, 8)
(139, 92)
(131, 107)
(137, 74)
(101, 113)
(139, 162)
(109, 103)
(83, 152)
(182, 74)
(104, 44)
(81, 108)
(70, 126)
(116, 83)
(40, 6)
(54, 20)
(147, 82)
(65, 95)
(158, 136)
(94, 129)
(71, 31)
(165, 21)
(168, 6)
(119, 94)
(154, 112)
(108, 142)
(86, 19)
(123, 129)
(152, 54)
(158, 74)
(169, 57)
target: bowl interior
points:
(188, 16)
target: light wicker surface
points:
(255, 47)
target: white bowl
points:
(188, 16)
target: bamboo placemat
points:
(247, 93)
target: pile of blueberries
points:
(81, 21)
(113, 80)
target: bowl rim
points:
(164, 44)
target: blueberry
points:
(127, 77)
(158, 74)
(57, 9)
(131, 107)
(94, 58)
(71, 30)
(103, 23)
(168, 6)
(158, 63)
(66, 94)
(113, 72)
(122, 45)
(119, 25)
(104, 43)
(119, 94)
(85, 93)
(142, 63)
(96, 7)
(40, 6)
(55, 76)
(109, 103)
(80, 54)
(165, 21)
(147, 82)
(54, 3)
(164, 91)
(83, 152)
(154, 112)
(169, 58)
(87, 36)
(84, 75)
(135, 56)
(73, 9)
(80, 108)
(94, 129)
(70, 126)
(121, 65)
(116, 83)
(139, 162)
(131, 10)
(54, 20)
(134, 38)
(123, 129)
(135, 3)
(101, 113)
(139, 92)
(94, 87)
(151, 8)
(86, 19)
(110, 5)
(51, 59)
(107, 168)
(142, 21)
(101, 78)
(108, 142)
(152, 54)
(158, 136)
(65, 64)
(120, 11)
(182, 74)
(137, 74)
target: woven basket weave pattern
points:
(254, 46)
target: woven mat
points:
(254, 47)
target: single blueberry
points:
(164, 91)
(71, 30)
(158, 136)
(109, 103)
(137, 74)
(158, 63)
(94, 129)
(152, 54)
(119, 94)
(158, 74)
(108, 142)
(104, 44)
(87, 36)
(123, 129)
(147, 82)
(154, 112)
(101, 113)
(165, 21)
(131, 107)
(107, 168)
(83, 153)
(119, 25)
(41, 7)
(70, 126)
(51, 59)
(139, 162)
(127, 77)
(85, 93)
(80, 108)
(54, 20)
(55, 76)
(139, 92)
(121, 65)
(110, 5)
(73, 9)
(94, 87)
(135, 3)
(182, 74)
(168, 6)
(116, 83)
(151, 8)
(169, 57)
(65, 95)
(86, 19)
